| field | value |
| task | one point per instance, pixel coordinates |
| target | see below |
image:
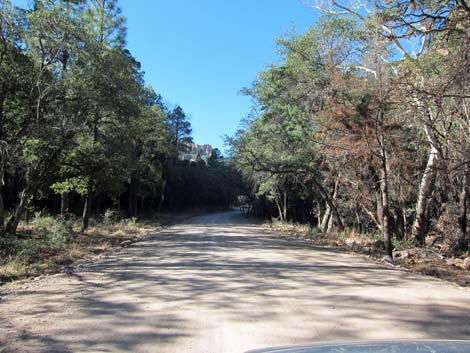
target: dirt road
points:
(219, 284)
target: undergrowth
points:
(47, 243)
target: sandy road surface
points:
(219, 284)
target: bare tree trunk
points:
(464, 198)
(136, 206)
(379, 203)
(358, 219)
(386, 236)
(425, 191)
(87, 206)
(2, 100)
(399, 229)
(329, 229)
(98, 201)
(64, 203)
(326, 219)
(131, 200)
(331, 213)
(162, 194)
(12, 225)
(2, 214)
(378, 216)
(141, 203)
(279, 209)
(89, 194)
(318, 214)
(2, 204)
(285, 206)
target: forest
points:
(81, 133)
(339, 211)
(363, 125)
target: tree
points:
(53, 40)
(179, 138)
(410, 29)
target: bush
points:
(8, 246)
(132, 222)
(29, 251)
(54, 232)
(51, 235)
(110, 217)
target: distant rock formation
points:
(195, 150)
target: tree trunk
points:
(377, 218)
(379, 203)
(464, 198)
(130, 204)
(2, 214)
(318, 214)
(2, 204)
(131, 200)
(399, 229)
(425, 191)
(331, 208)
(386, 236)
(89, 195)
(64, 203)
(87, 206)
(330, 226)
(12, 225)
(326, 219)
(285, 206)
(358, 219)
(2, 100)
(98, 202)
(279, 209)
(162, 194)
(141, 204)
(136, 206)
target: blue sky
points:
(200, 53)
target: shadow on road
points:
(199, 280)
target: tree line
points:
(80, 131)
(364, 124)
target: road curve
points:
(220, 284)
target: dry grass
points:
(33, 253)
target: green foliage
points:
(77, 120)
(71, 184)
(111, 216)
(52, 235)
(8, 246)
(343, 125)
(53, 231)
(131, 221)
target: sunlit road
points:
(219, 284)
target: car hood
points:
(377, 347)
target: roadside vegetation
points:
(362, 130)
(50, 244)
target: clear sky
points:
(200, 53)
